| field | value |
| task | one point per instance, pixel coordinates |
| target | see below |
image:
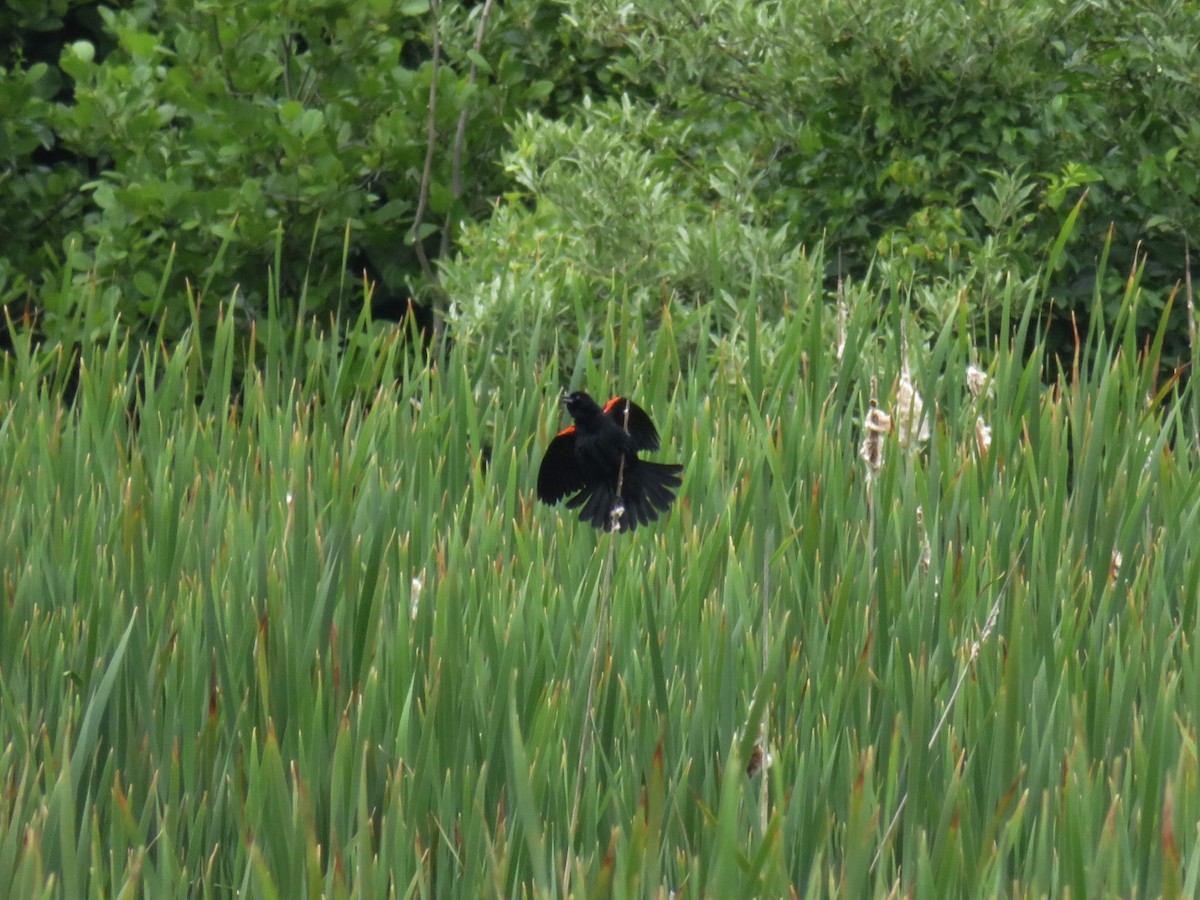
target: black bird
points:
(585, 459)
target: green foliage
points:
(207, 130)
(281, 617)
(304, 642)
(938, 142)
(617, 221)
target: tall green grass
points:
(290, 636)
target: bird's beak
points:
(562, 398)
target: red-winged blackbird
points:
(584, 459)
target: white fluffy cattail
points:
(877, 424)
(926, 550)
(978, 382)
(912, 425)
(414, 598)
(983, 435)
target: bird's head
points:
(579, 404)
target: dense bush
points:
(206, 129)
(277, 621)
(617, 220)
(936, 141)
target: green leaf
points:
(140, 44)
(85, 743)
(479, 62)
(145, 283)
(84, 51)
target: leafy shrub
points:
(937, 142)
(209, 130)
(613, 215)
(934, 141)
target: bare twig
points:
(460, 132)
(843, 313)
(988, 626)
(1191, 308)
(427, 173)
(1191, 304)
(618, 510)
(585, 737)
(588, 723)
(764, 736)
(287, 66)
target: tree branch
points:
(426, 175)
(460, 132)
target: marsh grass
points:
(287, 635)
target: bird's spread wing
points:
(639, 426)
(559, 474)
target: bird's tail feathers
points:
(647, 489)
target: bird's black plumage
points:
(584, 461)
